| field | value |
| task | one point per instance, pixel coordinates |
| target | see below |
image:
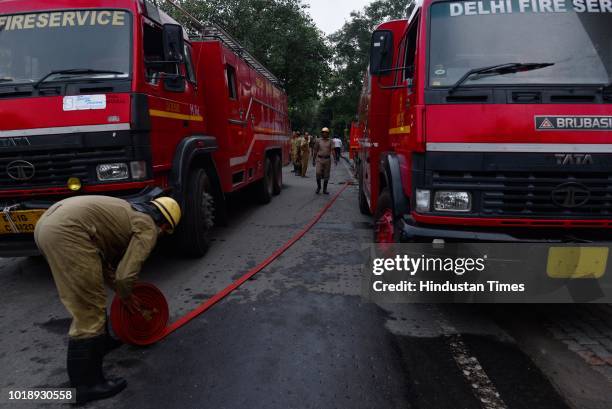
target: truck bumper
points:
(412, 232)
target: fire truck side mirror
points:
(173, 43)
(381, 53)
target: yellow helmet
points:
(170, 209)
(325, 130)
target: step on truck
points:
(112, 97)
(489, 121)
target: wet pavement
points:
(299, 334)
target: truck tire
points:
(278, 174)
(265, 187)
(364, 208)
(192, 236)
(386, 229)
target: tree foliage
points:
(282, 36)
(350, 60)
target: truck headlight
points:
(423, 200)
(452, 201)
(138, 169)
(112, 171)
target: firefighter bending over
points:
(323, 151)
(88, 240)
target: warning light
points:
(74, 184)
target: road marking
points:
(482, 387)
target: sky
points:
(329, 15)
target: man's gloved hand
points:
(133, 304)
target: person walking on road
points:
(305, 153)
(323, 151)
(86, 241)
(337, 149)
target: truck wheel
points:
(278, 174)
(364, 208)
(193, 233)
(385, 224)
(265, 187)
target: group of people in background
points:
(320, 150)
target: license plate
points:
(577, 262)
(24, 221)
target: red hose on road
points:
(230, 288)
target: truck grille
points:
(533, 194)
(52, 169)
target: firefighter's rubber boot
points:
(325, 182)
(85, 370)
(318, 185)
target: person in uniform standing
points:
(305, 153)
(313, 140)
(323, 151)
(297, 154)
(294, 153)
(87, 241)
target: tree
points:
(351, 47)
(282, 36)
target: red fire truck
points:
(112, 97)
(490, 120)
(354, 140)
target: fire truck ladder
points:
(214, 31)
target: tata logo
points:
(20, 170)
(567, 159)
(570, 195)
(14, 142)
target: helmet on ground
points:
(325, 130)
(170, 209)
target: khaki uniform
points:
(305, 154)
(87, 240)
(323, 151)
(295, 150)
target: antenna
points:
(214, 31)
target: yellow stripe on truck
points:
(175, 115)
(399, 130)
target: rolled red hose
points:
(143, 327)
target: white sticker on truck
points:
(84, 102)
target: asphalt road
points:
(297, 335)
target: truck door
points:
(237, 122)
(171, 90)
(403, 99)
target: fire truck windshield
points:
(33, 45)
(575, 36)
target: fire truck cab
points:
(490, 120)
(112, 97)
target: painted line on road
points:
(483, 389)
